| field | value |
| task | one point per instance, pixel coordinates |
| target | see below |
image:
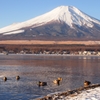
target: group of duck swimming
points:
(57, 81)
(5, 78)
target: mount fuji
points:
(62, 23)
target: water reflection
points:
(32, 68)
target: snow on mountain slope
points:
(14, 32)
(68, 14)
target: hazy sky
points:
(13, 11)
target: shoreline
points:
(56, 55)
(71, 93)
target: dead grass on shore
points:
(30, 42)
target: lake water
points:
(33, 68)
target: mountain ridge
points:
(63, 22)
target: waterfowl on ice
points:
(42, 83)
(57, 81)
(5, 78)
(86, 83)
(17, 77)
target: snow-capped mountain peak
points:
(66, 14)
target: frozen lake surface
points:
(33, 68)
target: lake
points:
(33, 68)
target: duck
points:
(5, 78)
(86, 83)
(57, 81)
(60, 78)
(42, 83)
(17, 77)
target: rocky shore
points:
(71, 93)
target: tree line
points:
(53, 47)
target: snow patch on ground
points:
(92, 94)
